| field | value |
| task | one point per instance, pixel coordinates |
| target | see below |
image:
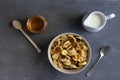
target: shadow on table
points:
(75, 22)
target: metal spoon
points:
(17, 25)
(103, 52)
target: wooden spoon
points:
(17, 25)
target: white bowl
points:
(66, 71)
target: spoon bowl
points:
(17, 25)
(105, 51)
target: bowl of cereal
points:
(69, 53)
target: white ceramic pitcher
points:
(95, 21)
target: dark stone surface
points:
(20, 61)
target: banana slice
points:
(82, 64)
(67, 62)
(64, 52)
(55, 56)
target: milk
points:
(94, 20)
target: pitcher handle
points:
(110, 16)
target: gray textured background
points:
(20, 61)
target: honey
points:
(37, 24)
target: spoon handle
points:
(92, 68)
(31, 41)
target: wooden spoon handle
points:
(31, 41)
